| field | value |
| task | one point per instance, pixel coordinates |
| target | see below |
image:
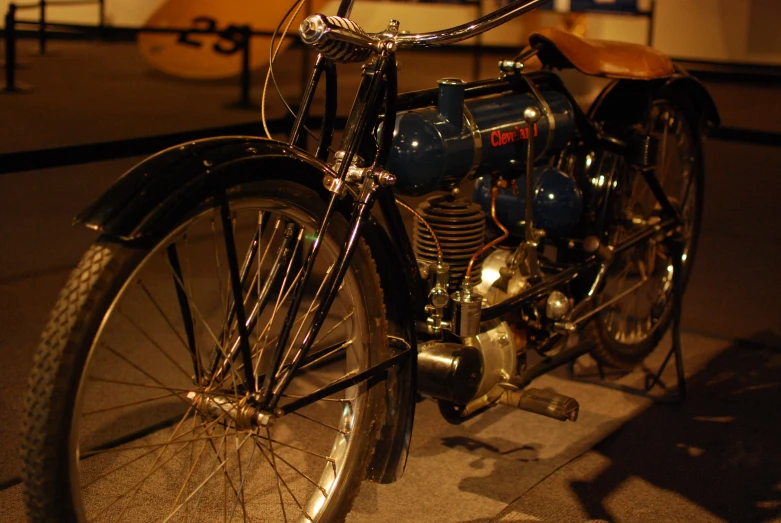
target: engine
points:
(487, 138)
(439, 147)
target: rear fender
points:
(154, 195)
(626, 100)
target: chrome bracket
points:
(438, 296)
(355, 177)
(510, 66)
(334, 184)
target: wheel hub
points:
(243, 413)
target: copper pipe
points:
(426, 224)
(497, 241)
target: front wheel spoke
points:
(264, 293)
(202, 484)
(238, 300)
(280, 354)
(172, 256)
(287, 445)
(306, 477)
(130, 404)
(194, 465)
(282, 294)
(191, 302)
(315, 357)
(256, 279)
(313, 420)
(217, 267)
(141, 385)
(352, 378)
(334, 400)
(223, 448)
(243, 475)
(282, 480)
(156, 345)
(156, 465)
(276, 473)
(177, 441)
(256, 350)
(139, 369)
(336, 326)
(162, 313)
(152, 447)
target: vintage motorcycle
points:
(249, 336)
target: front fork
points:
(346, 178)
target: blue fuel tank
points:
(439, 147)
(558, 202)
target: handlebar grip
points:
(337, 38)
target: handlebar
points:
(343, 40)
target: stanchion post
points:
(11, 86)
(10, 49)
(102, 16)
(42, 27)
(246, 79)
(651, 13)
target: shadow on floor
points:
(720, 449)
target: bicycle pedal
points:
(544, 402)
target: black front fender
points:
(144, 199)
(151, 197)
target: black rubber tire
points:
(69, 337)
(611, 352)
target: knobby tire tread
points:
(44, 410)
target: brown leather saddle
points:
(561, 50)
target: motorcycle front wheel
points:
(134, 403)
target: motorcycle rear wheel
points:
(630, 328)
(118, 429)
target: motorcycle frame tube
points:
(306, 100)
(366, 107)
(329, 117)
(553, 282)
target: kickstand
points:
(653, 379)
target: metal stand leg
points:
(653, 379)
(42, 28)
(245, 77)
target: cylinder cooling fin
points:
(460, 227)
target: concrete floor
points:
(714, 459)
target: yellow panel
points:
(192, 55)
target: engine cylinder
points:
(434, 149)
(460, 227)
(558, 201)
